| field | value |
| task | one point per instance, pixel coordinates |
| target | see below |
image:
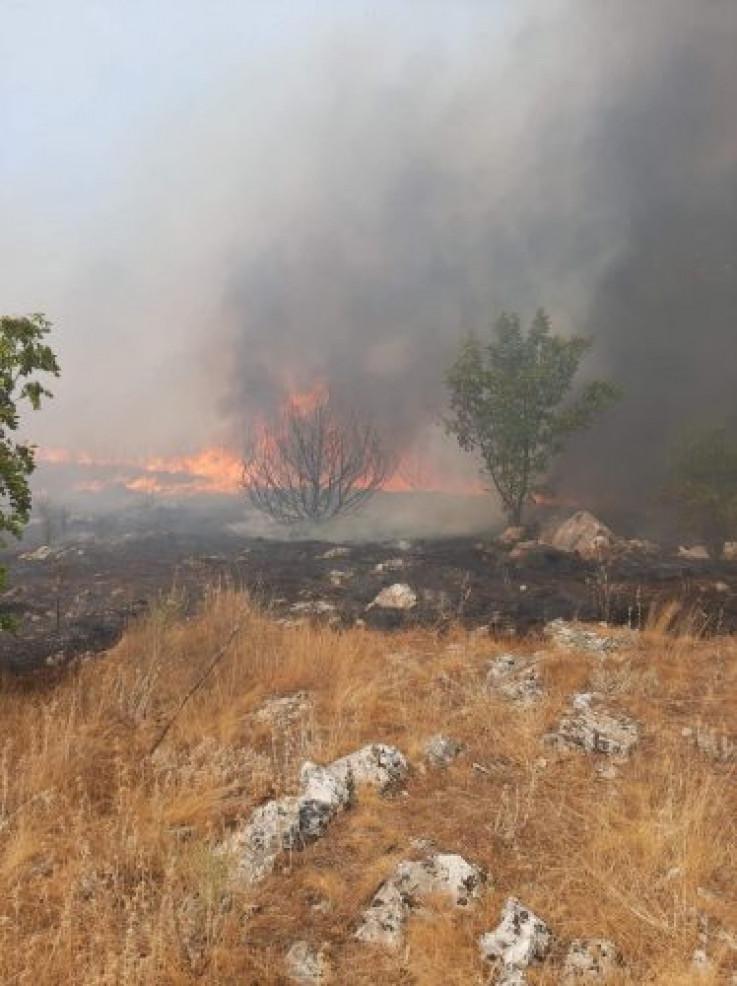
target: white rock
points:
(441, 750)
(515, 677)
(573, 636)
(377, 765)
(584, 534)
(595, 729)
(339, 576)
(316, 607)
(339, 551)
(696, 552)
(390, 565)
(306, 964)
(292, 822)
(42, 553)
(520, 939)
(591, 960)
(445, 874)
(397, 596)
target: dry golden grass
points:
(108, 873)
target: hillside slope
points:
(122, 866)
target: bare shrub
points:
(314, 464)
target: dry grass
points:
(107, 867)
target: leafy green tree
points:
(703, 486)
(510, 401)
(23, 354)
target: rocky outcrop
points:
(520, 939)
(585, 535)
(592, 727)
(397, 596)
(515, 677)
(590, 960)
(292, 822)
(446, 874)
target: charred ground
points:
(77, 597)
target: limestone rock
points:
(339, 551)
(307, 965)
(378, 765)
(292, 822)
(397, 596)
(573, 636)
(390, 565)
(445, 874)
(585, 535)
(440, 750)
(591, 960)
(520, 939)
(515, 677)
(591, 727)
(696, 552)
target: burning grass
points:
(109, 870)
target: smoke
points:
(344, 206)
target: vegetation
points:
(23, 354)
(703, 486)
(314, 464)
(510, 401)
(109, 867)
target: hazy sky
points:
(132, 135)
(215, 202)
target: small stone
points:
(397, 596)
(515, 677)
(590, 960)
(520, 939)
(572, 636)
(339, 551)
(306, 964)
(442, 750)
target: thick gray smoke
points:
(344, 210)
(589, 166)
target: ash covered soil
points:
(76, 597)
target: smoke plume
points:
(342, 207)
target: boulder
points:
(445, 874)
(585, 535)
(593, 728)
(591, 960)
(284, 710)
(397, 596)
(520, 939)
(306, 964)
(390, 565)
(440, 751)
(515, 677)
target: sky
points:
(217, 204)
(132, 131)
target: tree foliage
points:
(510, 401)
(312, 465)
(23, 354)
(703, 485)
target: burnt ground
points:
(77, 597)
